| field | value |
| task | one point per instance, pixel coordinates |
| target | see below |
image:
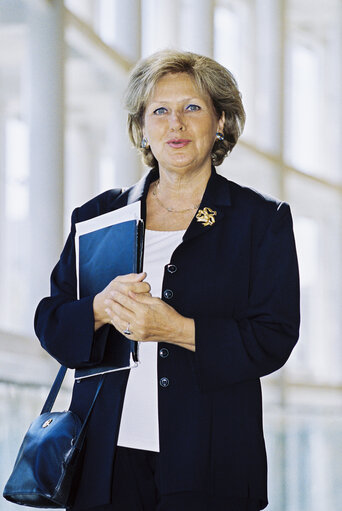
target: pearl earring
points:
(219, 136)
(144, 143)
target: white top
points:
(139, 426)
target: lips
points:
(177, 143)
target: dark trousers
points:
(136, 488)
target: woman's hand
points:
(148, 318)
(123, 284)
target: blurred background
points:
(63, 70)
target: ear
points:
(221, 121)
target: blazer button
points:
(171, 268)
(168, 294)
(164, 382)
(164, 352)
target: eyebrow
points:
(184, 100)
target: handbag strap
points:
(50, 400)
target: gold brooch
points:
(206, 216)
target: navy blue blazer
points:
(238, 279)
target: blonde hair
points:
(210, 77)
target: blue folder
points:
(103, 255)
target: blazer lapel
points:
(137, 192)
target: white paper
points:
(130, 212)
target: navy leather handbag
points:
(47, 467)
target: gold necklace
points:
(170, 210)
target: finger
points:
(141, 287)
(122, 320)
(121, 326)
(125, 287)
(131, 277)
(116, 311)
(125, 301)
(126, 330)
(143, 298)
(136, 287)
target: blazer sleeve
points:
(65, 325)
(258, 340)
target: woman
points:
(216, 308)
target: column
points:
(45, 115)
(270, 80)
(126, 164)
(3, 299)
(166, 23)
(196, 26)
(80, 161)
(160, 25)
(270, 73)
(127, 161)
(128, 28)
(337, 347)
(331, 155)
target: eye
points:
(160, 111)
(193, 108)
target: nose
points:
(176, 121)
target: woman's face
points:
(180, 124)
